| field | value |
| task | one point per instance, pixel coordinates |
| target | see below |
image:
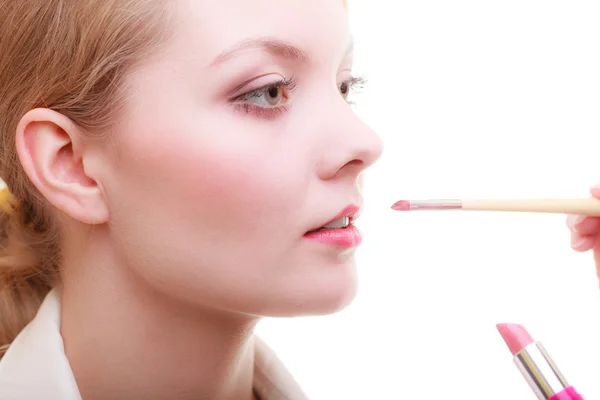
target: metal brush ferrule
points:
(436, 205)
(540, 372)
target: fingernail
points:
(578, 220)
(576, 244)
(579, 243)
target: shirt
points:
(35, 367)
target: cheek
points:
(235, 186)
(222, 182)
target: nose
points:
(351, 146)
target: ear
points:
(51, 149)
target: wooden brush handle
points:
(588, 207)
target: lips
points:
(342, 220)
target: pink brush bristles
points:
(402, 205)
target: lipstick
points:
(536, 365)
(339, 231)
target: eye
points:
(267, 101)
(345, 90)
(351, 85)
(269, 96)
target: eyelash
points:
(355, 84)
(287, 86)
(242, 104)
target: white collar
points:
(35, 365)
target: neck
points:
(126, 341)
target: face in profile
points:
(236, 145)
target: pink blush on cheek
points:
(226, 186)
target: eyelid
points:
(243, 89)
(357, 81)
(287, 84)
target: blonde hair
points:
(69, 56)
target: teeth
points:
(338, 223)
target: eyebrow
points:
(275, 47)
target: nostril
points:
(351, 169)
(355, 163)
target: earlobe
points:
(51, 149)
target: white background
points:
(472, 99)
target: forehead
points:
(206, 29)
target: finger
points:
(597, 256)
(588, 226)
(595, 190)
(582, 243)
(572, 220)
(583, 225)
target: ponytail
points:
(28, 266)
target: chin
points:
(331, 304)
(329, 291)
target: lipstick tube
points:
(542, 374)
(536, 365)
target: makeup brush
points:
(589, 207)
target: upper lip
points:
(352, 212)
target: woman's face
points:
(237, 140)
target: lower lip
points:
(343, 238)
